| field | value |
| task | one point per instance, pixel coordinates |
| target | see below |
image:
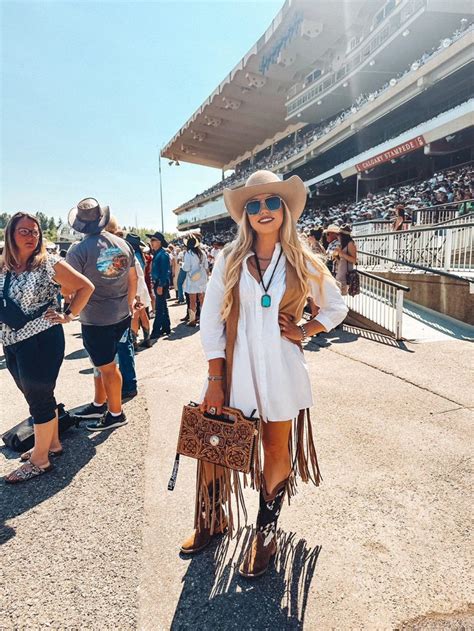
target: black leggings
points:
(34, 364)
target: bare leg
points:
(135, 324)
(112, 382)
(100, 395)
(44, 433)
(144, 321)
(277, 465)
(55, 443)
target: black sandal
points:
(51, 454)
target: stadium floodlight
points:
(406, 33)
(372, 62)
(319, 102)
(345, 84)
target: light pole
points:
(161, 192)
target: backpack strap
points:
(5, 285)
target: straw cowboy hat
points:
(192, 237)
(89, 217)
(292, 191)
(333, 228)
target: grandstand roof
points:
(248, 107)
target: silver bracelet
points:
(215, 378)
(304, 332)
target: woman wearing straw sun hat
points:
(252, 340)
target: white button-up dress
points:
(269, 373)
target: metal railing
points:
(467, 218)
(437, 214)
(380, 301)
(370, 226)
(433, 215)
(448, 247)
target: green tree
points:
(42, 220)
(4, 219)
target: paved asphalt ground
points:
(382, 544)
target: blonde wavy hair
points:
(297, 253)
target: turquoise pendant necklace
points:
(266, 300)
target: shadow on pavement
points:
(214, 593)
(16, 499)
(81, 353)
(182, 331)
(349, 334)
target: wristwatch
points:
(69, 314)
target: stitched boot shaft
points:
(269, 511)
(263, 546)
(146, 338)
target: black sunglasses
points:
(273, 203)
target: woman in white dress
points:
(195, 264)
(253, 342)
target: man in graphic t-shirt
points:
(108, 261)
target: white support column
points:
(399, 316)
(448, 245)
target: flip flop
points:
(51, 454)
(26, 472)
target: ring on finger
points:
(212, 410)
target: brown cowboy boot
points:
(201, 536)
(263, 546)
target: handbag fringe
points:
(223, 493)
(219, 496)
(303, 454)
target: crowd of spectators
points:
(301, 140)
(453, 186)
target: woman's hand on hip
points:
(214, 398)
(288, 328)
(57, 317)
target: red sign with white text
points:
(391, 154)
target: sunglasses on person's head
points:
(273, 203)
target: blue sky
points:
(90, 91)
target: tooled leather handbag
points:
(228, 440)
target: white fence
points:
(369, 227)
(380, 301)
(421, 217)
(448, 248)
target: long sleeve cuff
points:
(215, 355)
(329, 322)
